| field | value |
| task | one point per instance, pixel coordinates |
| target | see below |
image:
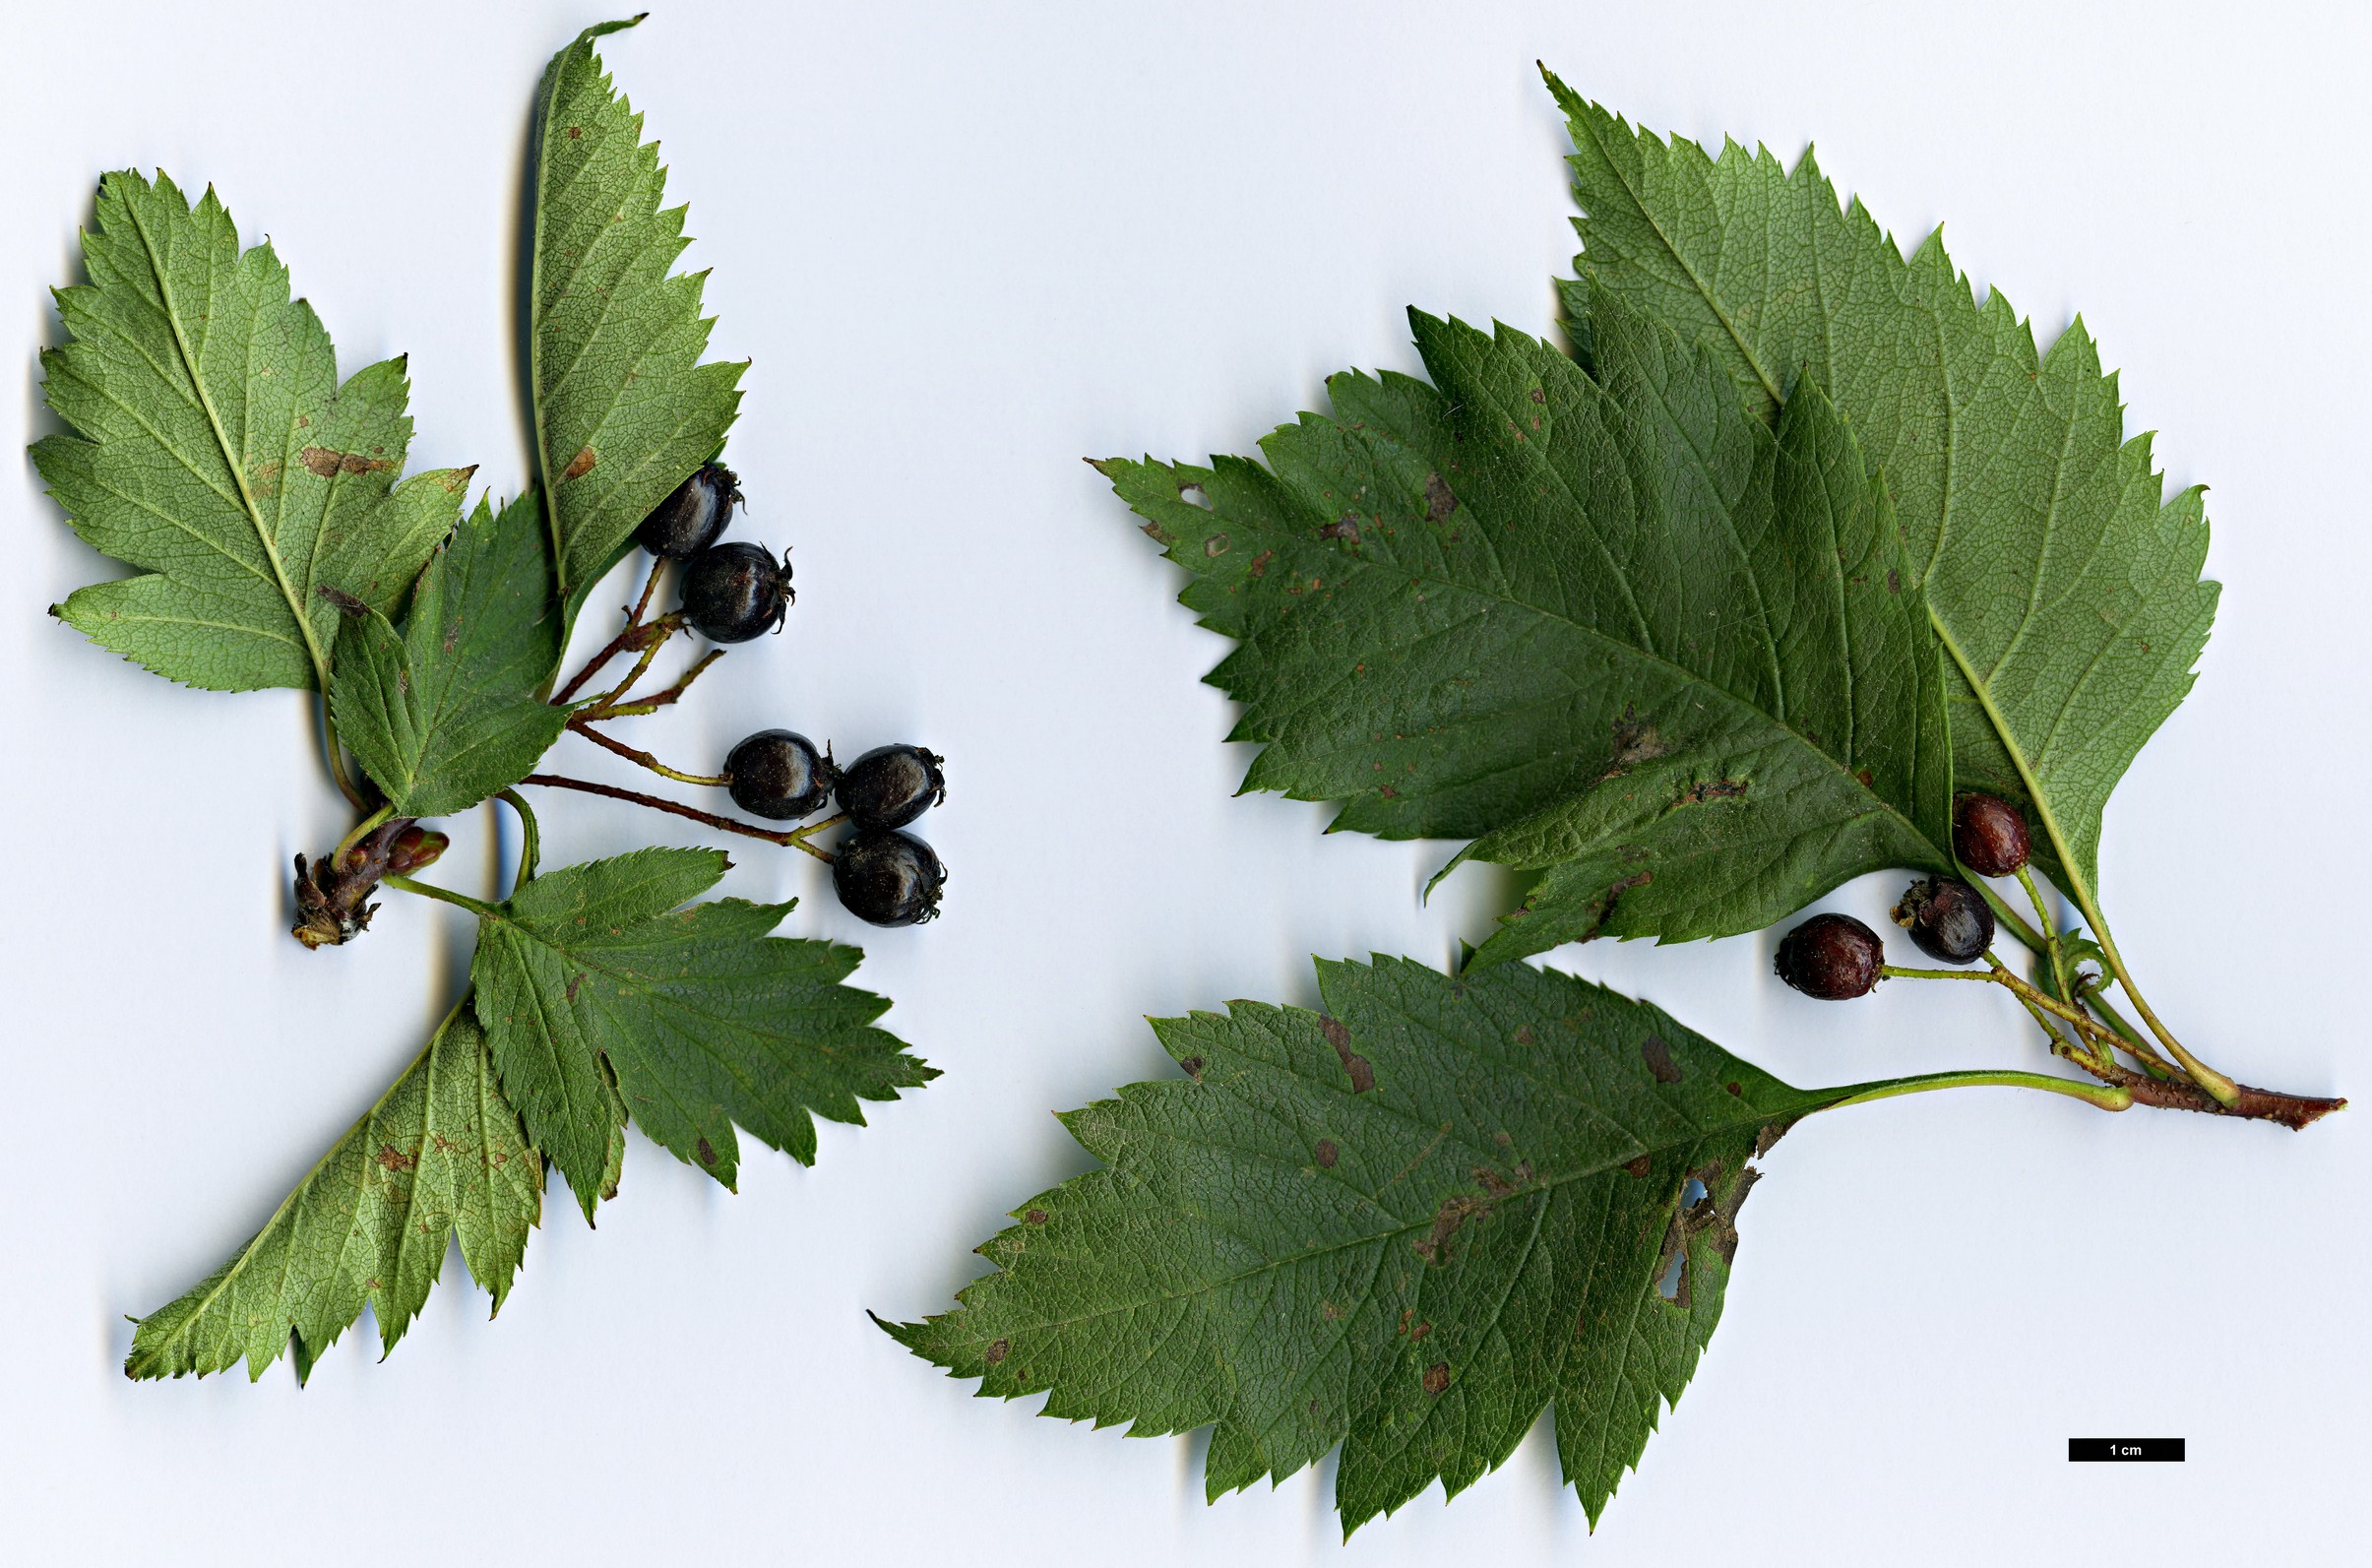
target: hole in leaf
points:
(1669, 1287)
(1693, 1194)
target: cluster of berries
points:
(881, 874)
(730, 594)
(1835, 957)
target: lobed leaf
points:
(606, 1001)
(1406, 1225)
(447, 712)
(623, 408)
(1599, 620)
(218, 453)
(2065, 586)
(439, 1155)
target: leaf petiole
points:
(2108, 1097)
(531, 838)
(429, 889)
(336, 753)
(361, 831)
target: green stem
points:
(2007, 918)
(658, 700)
(429, 889)
(644, 759)
(336, 755)
(2219, 1087)
(362, 830)
(2092, 1032)
(2108, 1097)
(531, 838)
(2135, 1046)
(2050, 932)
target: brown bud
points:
(414, 849)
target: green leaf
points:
(624, 410)
(605, 1000)
(1405, 1224)
(448, 712)
(2066, 588)
(1601, 622)
(218, 454)
(440, 1155)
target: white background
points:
(964, 247)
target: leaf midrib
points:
(230, 459)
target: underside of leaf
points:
(1599, 620)
(2065, 586)
(441, 1156)
(1405, 1224)
(218, 453)
(624, 409)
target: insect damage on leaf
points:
(1413, 1269)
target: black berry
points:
(1832, 957)
(694, 513)
(1989, 835)
(887, 877)
(734, 591)
(1948, 918)
(890, 786)
(779, 774)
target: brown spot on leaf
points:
(346, 603)
(1036, 1217)
(1448, 1219)
(574, 981)
(574, 132)
(1439, 502)
(1260, 563)
(1194, 1067)
(1658, 1057)
(1437, 1377)
(1894, 581)
(1216, 545)
(1327, 1154)
(707, 1153)
(1771, 1134)
(1537, 395)
(1697, 794)
(264, 479)
(393, 1158)
(328, 462)
(581, 465)
(1862, 774)
(1345, 527)
(1362, 1075)
(996, 1353)
(1523, 1034)
(1635, 741)
(1733, 1088)
(1641, 1165)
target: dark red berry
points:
(694, 513)
(734, 591)
(1989, 835)
(887, 877)
(1833, 957)
(779, 774)
(1948, 918)
(890, 786)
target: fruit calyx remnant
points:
(1948, 918)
